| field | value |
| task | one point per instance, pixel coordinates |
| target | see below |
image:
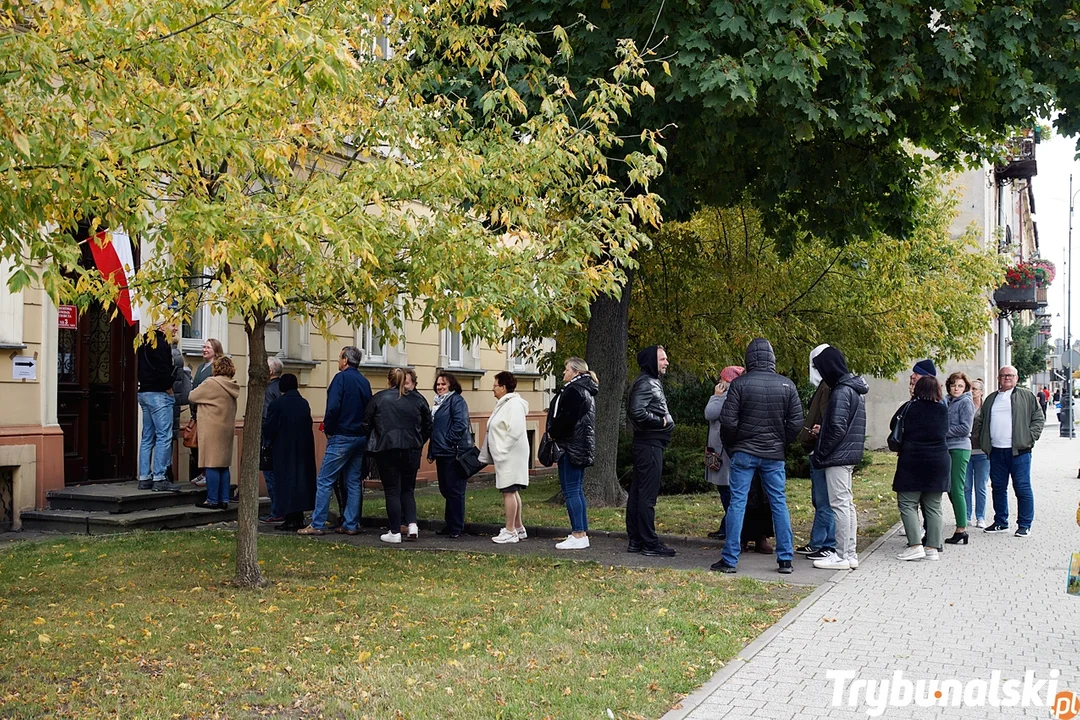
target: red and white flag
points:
(116, 263)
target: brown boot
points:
(762, 546)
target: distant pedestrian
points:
(288, 433)
(978, 469)
(717, 460)
(1009, 425)
(450, 437)
(398, 423)
(211, 349)
(1043, 397)
(346, 402)
(216, 397)
(922, 468)
(273, 392)
(822, 543)
(506, 446)
(572, 425)
(840, 446)
(156, 375)
(761, 416)
(961, 417)
(647, 410)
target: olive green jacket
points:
(1027, 421)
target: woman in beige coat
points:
(216, 398)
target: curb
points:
(692, 701)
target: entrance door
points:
(97, 401)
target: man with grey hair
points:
(273, 392)
(346, 401)
(1008, 425)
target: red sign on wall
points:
(67, 317)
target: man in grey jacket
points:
(761, 416)
(646, 408)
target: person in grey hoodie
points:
(961, 417)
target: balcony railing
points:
(1019, 158)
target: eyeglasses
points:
(1001, 375)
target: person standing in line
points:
(822, 543)
(647, 409)
(273, 392)
(762, 415)
(288, 433)
(978, 470)
(922, 468)
(718, 462)
(156, 374)
(211, 349)
(506, 446)
(923, 368)
(181, 390)
(399, 423)
(408, 475)
(216, 397)
(1009, 425)
(450, 436)
(347, 399)
(841, 441)
(572, 425)
(961, 417)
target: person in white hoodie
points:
(507, 447)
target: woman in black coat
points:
(287, 431)
(450, 436)
(922, 470)
(572, 425)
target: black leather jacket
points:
(843, 426)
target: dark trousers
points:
(644, 487)
(452, 484)
(725, 500)
(408, 486)
(392, 465)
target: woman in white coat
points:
(507, 447)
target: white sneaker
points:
(833, 563)
(853, 562)
(505, 536)
(573, 543)
(391, 537)
(414, 531)
(980, 523)
(913, 553)
(932, 554)
(521, 533)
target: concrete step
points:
(101, 522)
(121, 497)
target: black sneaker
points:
(784, 567)
(822, 554)
(717, 535)
(721, 566)
(159, 486)
(995, 528)
(804, 550)
(147, 484)
(1023, 532)
(633, 547)
(658, 551)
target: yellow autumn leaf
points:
(39, 621)
(44, 639)
(363, 656)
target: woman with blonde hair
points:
(397, 424)
(978, 469)
(216, 399)
(572, 425)
(211, 349)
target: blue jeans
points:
(773, 480)
(157, 427)
(344, 455)
(1003, 464)
(571, 478)
(823, 532)
(268, 476)
(978, 471)
(218, 481)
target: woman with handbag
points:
(507, 447)
(450, 436)
(571, 426)
(216, 398)
(717, 462)
(922, 468)
(211, 349)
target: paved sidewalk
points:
(996, 604)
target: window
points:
(516, 359)
(277, 330)
(452, 348)
(370, 340)
(11, 310)
(193, 332)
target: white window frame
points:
(282, 320)
(11, 310)
(449, 344)
(191, 344)
(366, 336)
(515, 361)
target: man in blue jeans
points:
(761, 416)
(822, 543)
(1008, 425)
(156, 375)
(346, 401)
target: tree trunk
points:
(605, 351)
(248, 573)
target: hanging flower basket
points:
(1009, 298)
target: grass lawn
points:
(146, 626)
(690, 515)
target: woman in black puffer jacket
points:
(572, 425)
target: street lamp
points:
(1067, 428)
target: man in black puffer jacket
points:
(647, 410)
(762, 415)
(841, 437)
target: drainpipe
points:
(1004, 330)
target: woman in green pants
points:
(961, 415)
